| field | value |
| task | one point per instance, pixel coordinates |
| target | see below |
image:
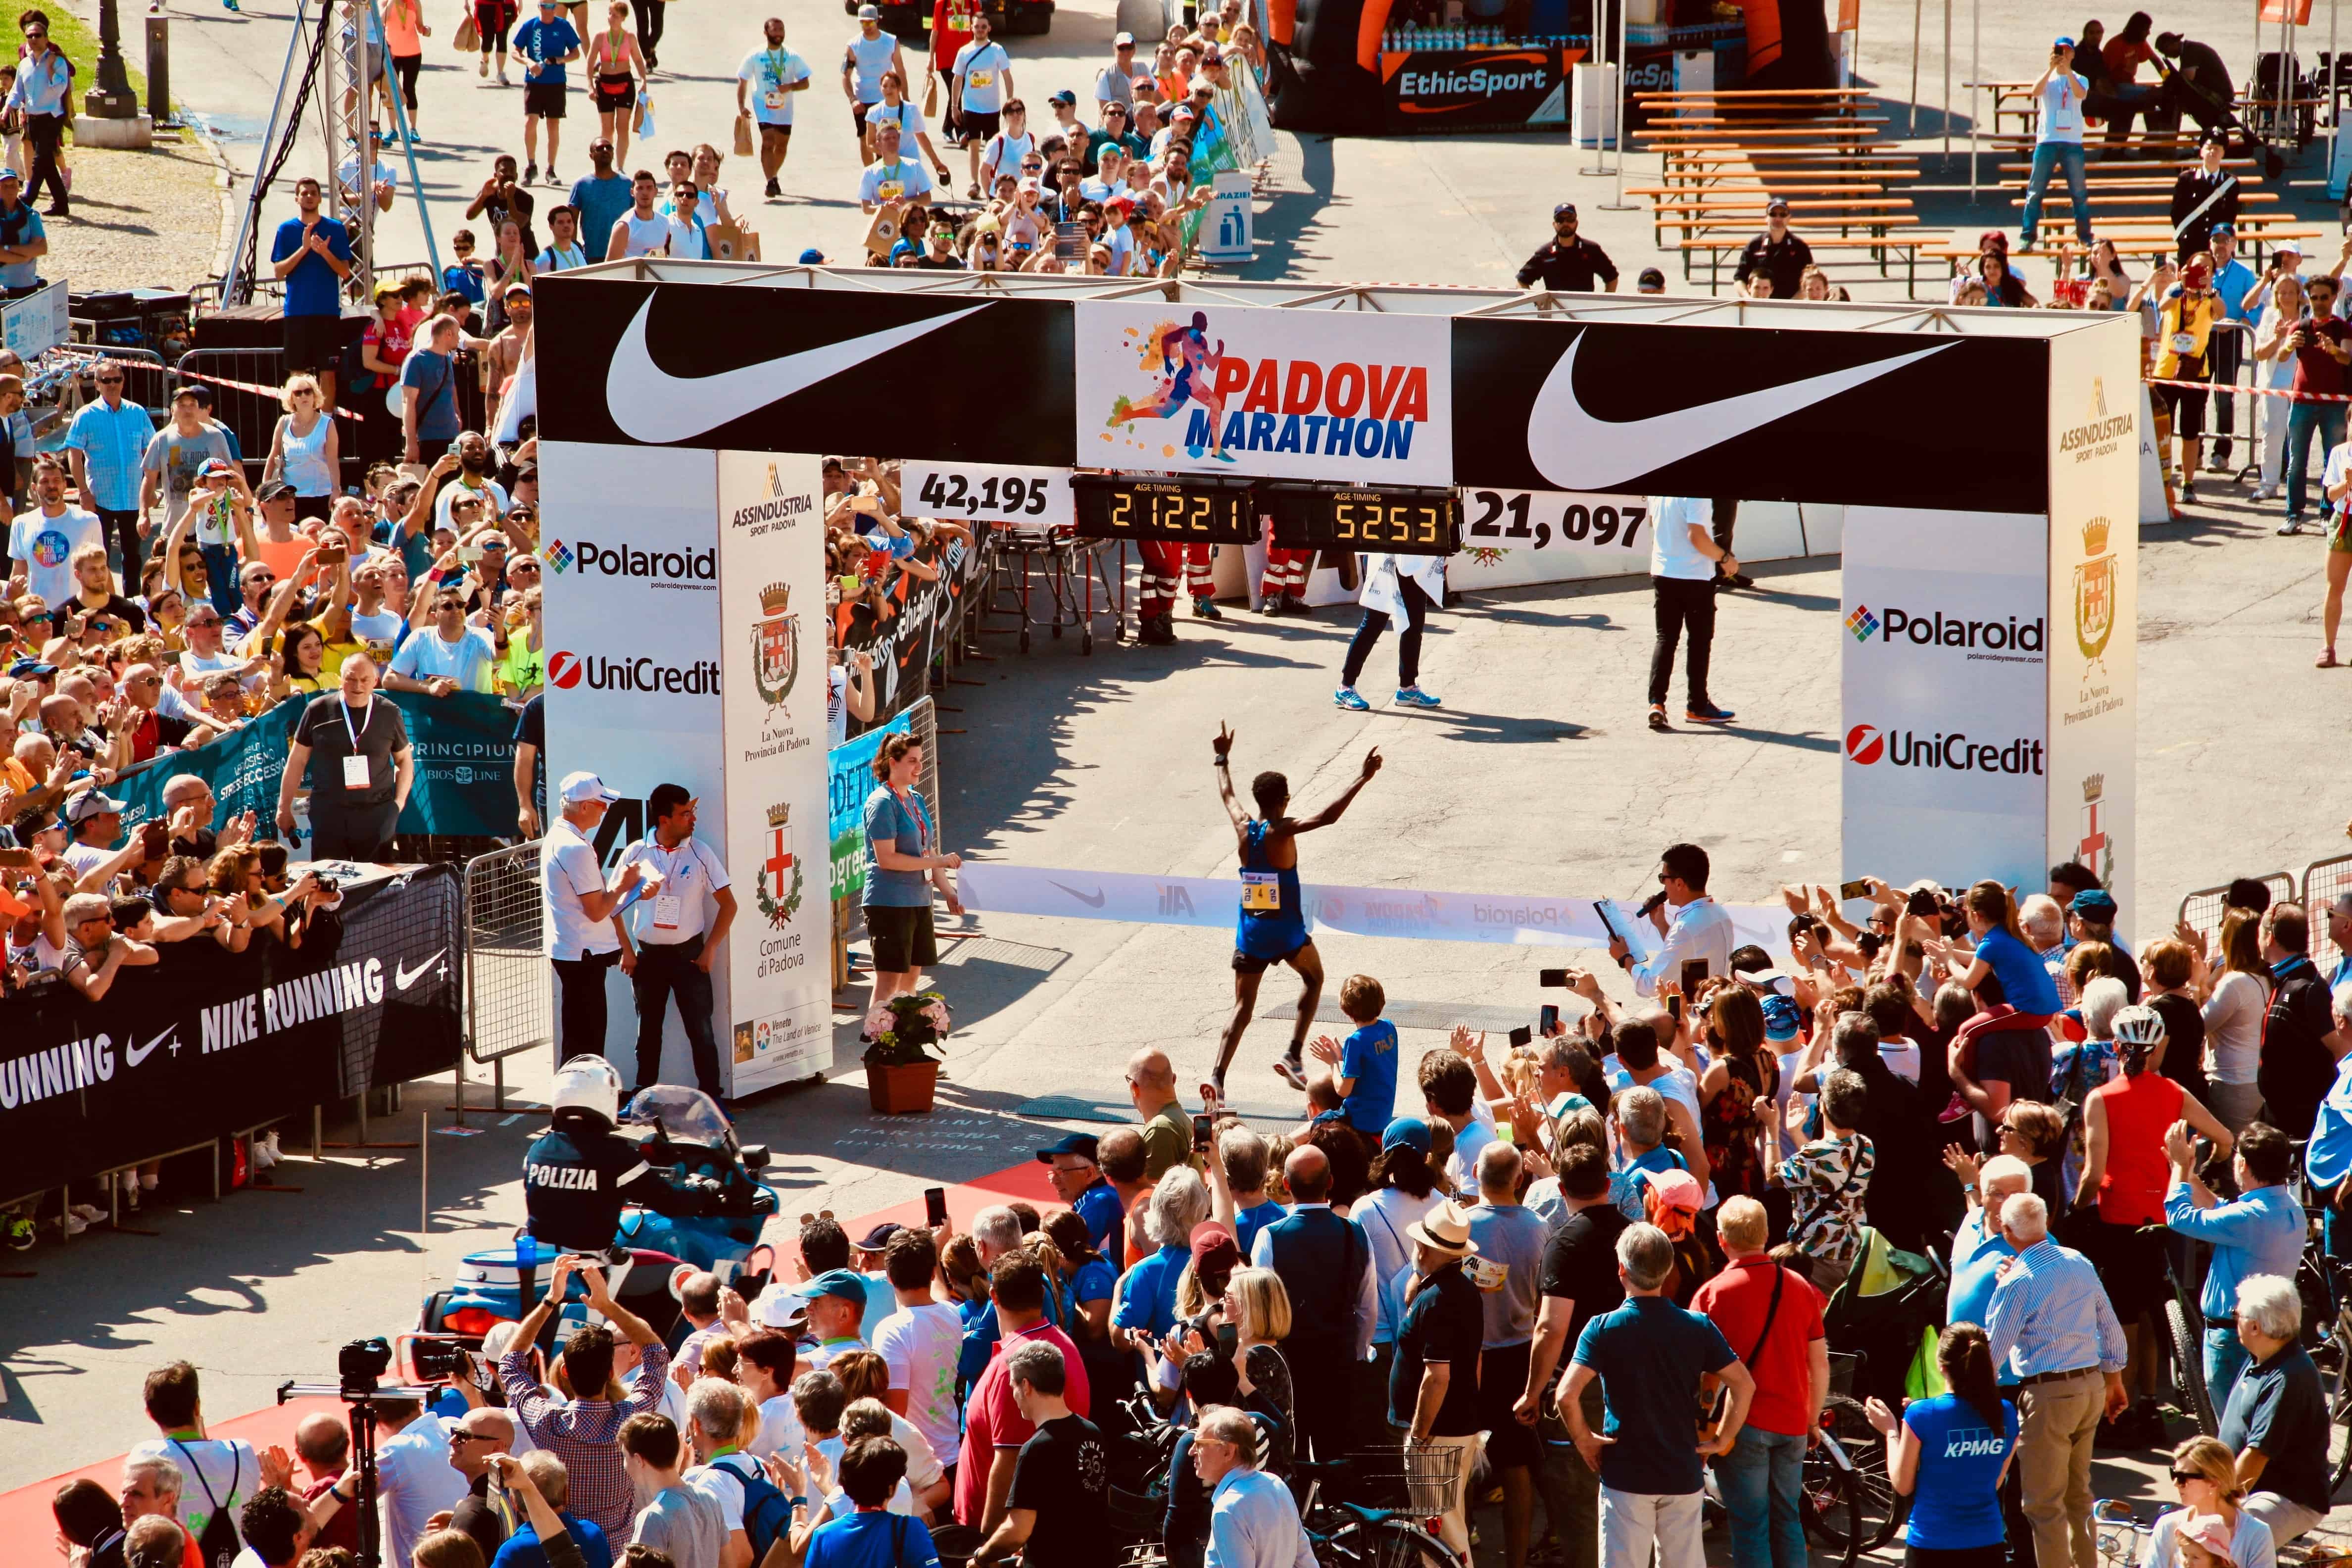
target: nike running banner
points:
(465, 766)
(1952, 422)
(800, 370)
(206, 1043)
(1510, 919)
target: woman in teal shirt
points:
(902, 866)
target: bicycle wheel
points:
(1878, 1513)
(1828, 1506)
(2338, 1381)
(2186, 1337)
(1389, 1543)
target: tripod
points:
(363, 1402)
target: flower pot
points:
(898, 1090)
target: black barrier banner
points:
(1444, 90)
(764, 369)
(915, 617)
(1953, 422)
(207, 1042)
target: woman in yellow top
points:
(2184, 330)
(522, 660)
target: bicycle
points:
(2184, 1333)
(1847, 1500)
(2121, 1538)
(1352, 1535)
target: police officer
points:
(581, 1171)
(674, 931)
(1568, 262)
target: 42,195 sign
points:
(985, 492)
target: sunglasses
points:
(2182, 1477)
(109, 381)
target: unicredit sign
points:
(567, 670)
(1868, 745)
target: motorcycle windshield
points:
(686, 1115)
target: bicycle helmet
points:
(2137, 1026)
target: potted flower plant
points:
(901, 1073)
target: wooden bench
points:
(1877, 249)
(1821, 135)
(2155, 209)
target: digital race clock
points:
(1197, 510)
(1398, 520)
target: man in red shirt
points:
(994, 1428)
(951, 23)
(1771, 1317)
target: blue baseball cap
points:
(2062, 43)
(841, 1283)
(811, 256)
(1405, 1130)
(34, 669)
(1082, 1144)
(1783, 1017)
(2229, 229)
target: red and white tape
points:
(2226, 387)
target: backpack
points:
(217, 1546)
(767, 1511)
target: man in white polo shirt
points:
(679, 927)
(583, 938)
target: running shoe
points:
(1270, 606)
(2188, 492)
(1297, 604)
(20, 1233)
(1658, 722)
(1414, 697)
(1206, 608)
(229, 5)
(553, 178)
(1958, 1109)
(1292, 1072)
(775, 191)
(1348, 697)
(90, 1213)
(530, 174)
(1708, 714)
(2291, 527)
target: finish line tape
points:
(1506, 919)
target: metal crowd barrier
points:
(2323, 880)
(2202, 910)
(509, 989)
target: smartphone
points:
(1547, 1019)
(1201, 1130)
(1552, 977)
(1070, 241)
(332, 554)
(1674, 1006)
(1522, 1035)
(1694, 974)
(469, 554)
(1854, 889)
(152, 838)
(935, 1206)
(17, 859)
(1229, 1339)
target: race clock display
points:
(1205, 511)
(1397, 519)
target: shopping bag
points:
(470, 37)
(743, 138)
(931, 96)
(644, 114)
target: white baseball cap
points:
(578, 788)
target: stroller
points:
(1888, 1310)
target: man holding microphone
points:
(680, 921)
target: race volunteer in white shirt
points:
(679, 926)
(582, 938)
(1683, 560)
(1698, 931)
(2058, 95)
(764, 85)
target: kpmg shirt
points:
(2051, 1314)
(1254, 1523)
(1699, 929)
(2262, 1233)
(113, 444)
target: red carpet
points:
(25, 1516)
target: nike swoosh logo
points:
(402, 977)
(650, 404)
(1093, 900)
(133, 1055)
(1578, 452)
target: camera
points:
(436, 1360)
(325, 884)
(361, 1363)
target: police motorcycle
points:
(648, 1195)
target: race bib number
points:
(667, 907)
(2184, 343)
(775, 99)
(1261, 893)
(355, 773)
(892, 189)
(983, 79)
(986, 492)
(1485, 1273)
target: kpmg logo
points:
(1868, 745)
(1862, 623)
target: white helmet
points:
(2141, 1027)
(589, 1083)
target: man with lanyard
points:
(677, 936)
(869, 54)
(2202, 196)
(2186, 321)
(107, 444)
(2058, 94)
(1698, 932)
(1570, 262)
(583, 939)
(891, 181)
(2233, 285)
(1271, 926)
(563, 248)
(983, 74)
(366, 769)
(44, 77)
(771, 76)
(2302, 1046)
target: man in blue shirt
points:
(1978, 1246)
(44, 77)
(1078, 1180)
(313, 256)
(107, 444)
(2234, 281)
(2262, 1233)
(2327, 1157)
(23, 240)
(545, 43)
(2339, 933)
(601, 198)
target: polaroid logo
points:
(567, 670)
(622, 561)
(1866, 745)
(1936, 629)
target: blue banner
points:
(850, 779)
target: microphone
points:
(1651, 904)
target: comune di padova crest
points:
(780, 873)
(775, 646)
(2094, 593)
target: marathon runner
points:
(1192, 372)
(1272, 925)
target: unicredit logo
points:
(621, 561)
(1866, 745)
(566, 670)
(1936, 629)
